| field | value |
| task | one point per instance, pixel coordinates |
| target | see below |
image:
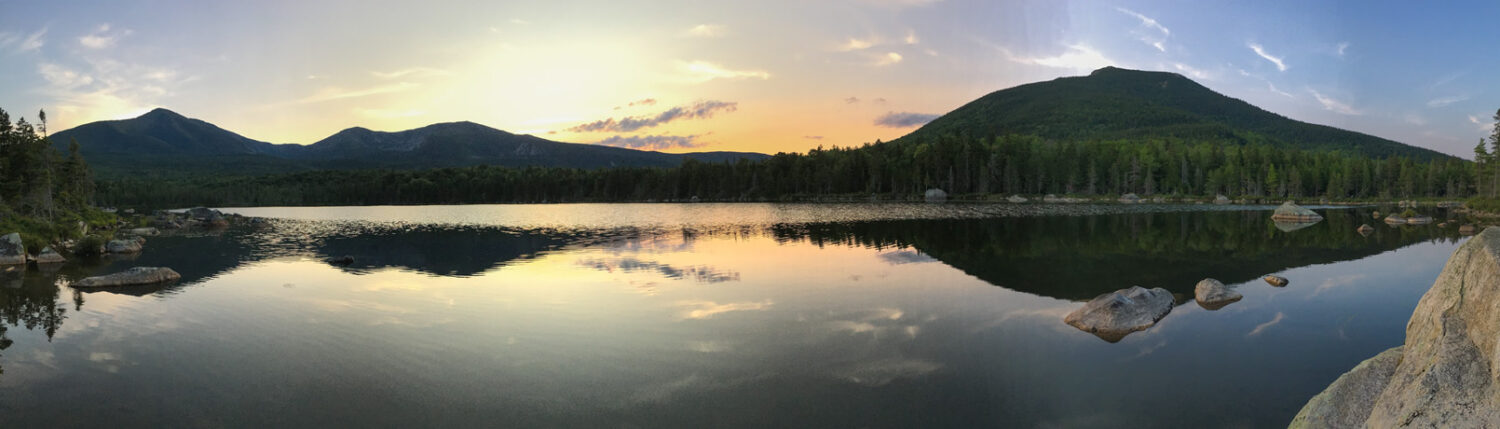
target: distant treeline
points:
(904, 169)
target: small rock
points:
(133, 276)
(12, 250)
(1276, 281)
(49, 256)
(1395, 220)
(1016, 199)
(1365, 229)
(1211, 294)
(1114, 315)
(935, 195)
(1221, 199)
(1130, 199)
(123, 246)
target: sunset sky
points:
(763, 76)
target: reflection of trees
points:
(29, 301)
(1080, 257)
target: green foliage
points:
(90, 244)
(1482, 204)
(42, 195)
(1409, 213)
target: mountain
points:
(1115, 103)
(162, 140)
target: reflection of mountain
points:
(441, 251)
(1080, 257)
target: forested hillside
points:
(43, 193)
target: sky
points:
(767, 76)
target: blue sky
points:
(764, 76)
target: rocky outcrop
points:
(1291, 212)
(130, 277)
(1114, 315)
(935, 195)
(12, 250)
(1446, 373)
(123, 246)
(49, 255)
(1211, 294)
(1277, 281)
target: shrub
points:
(89, 245)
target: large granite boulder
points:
(1211, 294)
(1291, 212)
(12, 250)
(49, 255)
(1446, 375)
(123, 246)
(130, 277)
(1347, 402)
(1114, 315)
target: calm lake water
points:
(711, 315)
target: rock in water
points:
(1395, 220)
(133, 276)
(144, 231)
(1213, 295)
(1016, 199)
(1365, 229)
(1466, 229)
(1347, 402)
(123, 246)
(1130, 199)
(1221, 199)
(1290, 211)
(1419, 220)
(12, 251)
(1114, 315)
(1444, 376)
(49, 256)
(1276, 281)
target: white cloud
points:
(329, 94)
(707, 31)
(1262, 52)
(1195, 73)
(1262, 327)
(856, 44)
(105, 89)
(30, 43)
(1485, 126)
(1444, 101)
(1333, 105)
(703, 71)
(1273, 88)
(1343, 46)
(415, 72)
(709, 309)
(101, 39)
(911, 37)
(1156, 41)
(1078, 57)
(888, 59)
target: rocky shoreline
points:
(1445, 373)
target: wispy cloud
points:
(1484, 125)
(709, 309)
(389, 113)
(1444, 101)
(911, 37)
(813, 137)
(14, 42)
(101, 38)
(414, 72)
(641, 102)
(1157, 41)
(703, 71)
(855, 44)
(1195, 73)
(1342, 48)
(904, 119)
(1259, 50)
(1333, 105)
(1273, 88)
(333, 93)
(1077, 57)
(707, 31)
(106, 89)
(888, 59)
(649, 142)
(699, 110)
(1262, 327)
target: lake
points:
(711, 315)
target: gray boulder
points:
(1291, 212)
(935, 195)
(49, 256)
(1445, 375)
(130, 277)
(123, 246)
(1221, 199)
(1016, 199)
(1211, 294)
(1114, 315)
(1277, 281)
(1130, 199)
(12, 250)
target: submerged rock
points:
(1211, 294)
(1365, 229)
(1444, 376)
(123, 246)
(1277, 281)
(1114, 315)
(49, 256)
(130, 277)
(12, 250)
(1395, 220)
(1290, 211)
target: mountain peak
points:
(161, 112)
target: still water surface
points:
(711, 315)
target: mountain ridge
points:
(1116, 103)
